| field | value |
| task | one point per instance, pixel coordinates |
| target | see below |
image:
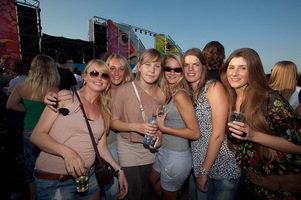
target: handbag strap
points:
(89, 127)
(141, 107)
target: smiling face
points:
(192, 70)
(171, 76)
(96, 79)
(117, 72)
(237, 73)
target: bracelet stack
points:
(204, 171)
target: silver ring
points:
(148, 131)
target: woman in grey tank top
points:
(173, 161)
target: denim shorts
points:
(54, 189)
(174, 168)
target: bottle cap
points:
(154, 116)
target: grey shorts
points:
(174, 168)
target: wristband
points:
(118, 170)
(204, 171)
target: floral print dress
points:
(283, 122)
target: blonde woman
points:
(284, 79)
(43, 77)
(67, 150)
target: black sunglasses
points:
(95, 74)
(169, 69)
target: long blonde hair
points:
(42, 76)
(284, 78)
(181, 83)
(256, 92)
(105, 96)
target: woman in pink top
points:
(67, 150)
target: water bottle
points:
(148, 140)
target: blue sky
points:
(271, 27)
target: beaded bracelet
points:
(204, 171)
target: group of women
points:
(193, 133)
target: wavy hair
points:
(42, 76)
(105, 96)
(256, 92)
(128, 75)
(181, 83)
(284, 78)
(214, 53)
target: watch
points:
(204, 171)
(118, 170)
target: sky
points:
(270, 27)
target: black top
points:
(67, 79)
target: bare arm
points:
(184, 105)
(106, 154)
(40, 137)
(219, 107)
(14, 100)
(274, 142)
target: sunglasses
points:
(95, 74)
(169, 69)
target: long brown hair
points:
(203, 79)
(256, 92)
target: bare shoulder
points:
(216, 92)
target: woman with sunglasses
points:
(27, 96)
(67, 150)
(173, 160)
(215, 168)
(269, 153)
(134, 157)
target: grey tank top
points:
(174, 120)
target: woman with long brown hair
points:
(268, 146)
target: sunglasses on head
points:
(95, 74)
(169, 69)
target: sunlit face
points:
(192, 70)
(172, 77)
(237, 73)
(96, 79)
(117, 72)
(150, 72)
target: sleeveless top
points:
(174, 120)
(72, 131)
(34, 110)
(225, 165)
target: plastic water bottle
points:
(148, 140)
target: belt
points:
(52, 176)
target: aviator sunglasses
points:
(95, 74)
(169, 69)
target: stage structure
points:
(121, 38)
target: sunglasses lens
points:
(169, 69)
(105, 76)
(94, 74)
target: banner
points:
(123, 40)
(164, 44)
(9, 40)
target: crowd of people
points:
(197, 143)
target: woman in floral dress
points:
(269, 154)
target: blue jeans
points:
(225, 189)
(112, 189)
(54, 189)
